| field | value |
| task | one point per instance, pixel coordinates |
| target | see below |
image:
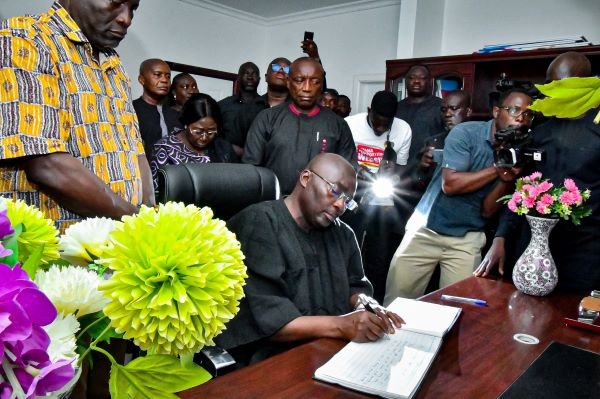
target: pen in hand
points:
(368, 305)
(473, 301)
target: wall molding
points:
(360, 5)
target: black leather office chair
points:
(225, 187)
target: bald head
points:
(567, 65)
(324, 186)
(328, 160)
(148, 64)
(155, 78)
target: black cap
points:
(384, 103)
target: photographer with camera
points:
(572, 149)
(448, 222)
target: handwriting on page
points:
(396, 365)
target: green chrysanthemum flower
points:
(36, 230)
(178, 277)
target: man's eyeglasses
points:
(349, 203)
(516, 112)
(277, 68)
(202, 132)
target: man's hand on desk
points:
(364, 326)
(495, 256)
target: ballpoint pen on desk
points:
(473, 301)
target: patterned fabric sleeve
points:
(33, 121)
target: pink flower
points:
(546, 200)
(529, 202)
(542, 208)
(570, 198)
(545, 186)
(570, 185)
(533, 191)
(527, 188)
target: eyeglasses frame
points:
(349, 203)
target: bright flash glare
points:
(383, 187)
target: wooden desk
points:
(478, 359)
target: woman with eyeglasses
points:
(198, 141)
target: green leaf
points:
(569, 97)
(166, 373)
(98, 322)
(154, 377)
(33, 263)
(10, 242)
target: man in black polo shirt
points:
(285, 138)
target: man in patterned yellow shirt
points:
(69, 137)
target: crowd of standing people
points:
(74, 143)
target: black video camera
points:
(515, 149)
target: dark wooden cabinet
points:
(479, 73)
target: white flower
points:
(62, 338)
(72, 289)
(85, 241)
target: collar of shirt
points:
(67, 26)
(316, 111)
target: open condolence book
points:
(393, 367)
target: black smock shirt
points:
(291, 272)
(572, 149)
(149, 121)
(425, 120)
(284, 141)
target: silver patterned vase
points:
(535, 271)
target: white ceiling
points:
(268, 9)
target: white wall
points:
(350, 44)
(353, 44)
(471, 24)
(174, 31)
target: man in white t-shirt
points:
(379, 224)
(372, 129)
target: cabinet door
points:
(444, 77)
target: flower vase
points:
(535, 271)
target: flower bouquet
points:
(543, 204)
(535, 196)
(167, 278)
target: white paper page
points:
(392, 368)
(429, 318)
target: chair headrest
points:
(225, 187)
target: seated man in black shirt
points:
(304, 268)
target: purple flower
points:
(5, 226)
(5, 390)
(24, 309)
(51, 377)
